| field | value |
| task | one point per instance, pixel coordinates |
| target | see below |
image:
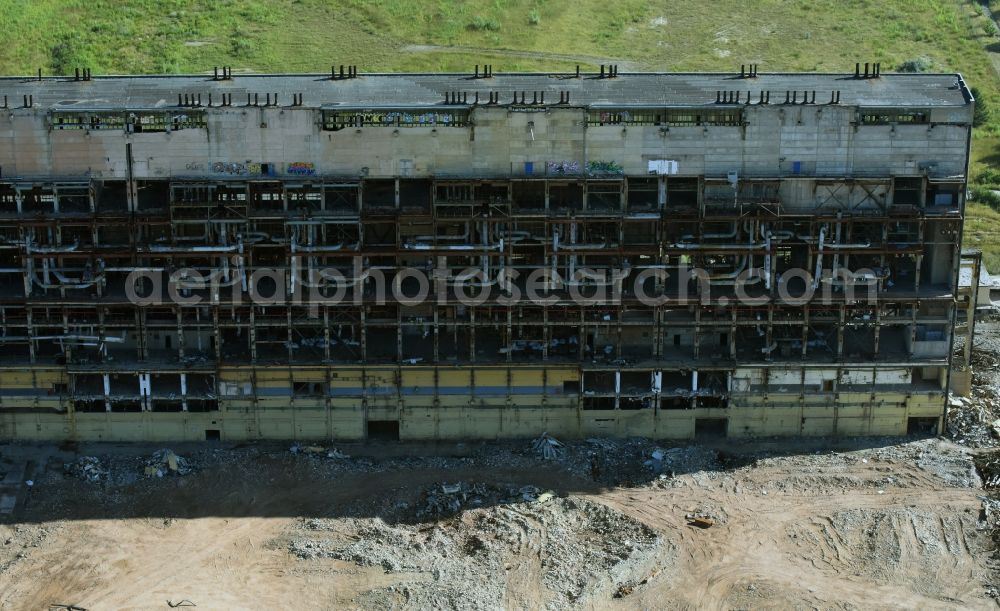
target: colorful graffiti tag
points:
(604, 168)
(237, 168)
(301, 168)
(563, 167)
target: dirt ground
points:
(883, 523)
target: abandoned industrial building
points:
(107, 181)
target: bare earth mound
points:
(869, 524)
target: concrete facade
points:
(107, 180)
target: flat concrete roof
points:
(413, 90)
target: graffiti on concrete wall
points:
(237, 168)
(300, 168)
(604, 168)
(563, 167)
(230, 167)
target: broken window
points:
(907, 191)
(136, 121)
(682, 192)
(673, 117)
(889, 116)
(334, 120)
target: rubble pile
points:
(317, 451)
(449, 499)
(165, 462)
(678, 461)
(974, 421)
(87, 468)
(587, 549)
(547, 447)
(989, 470)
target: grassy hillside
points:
(118, 36)
(297, 35)
(175, 36)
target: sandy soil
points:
(885, 526)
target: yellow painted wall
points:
(472, 403)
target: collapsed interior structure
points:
(139, 213)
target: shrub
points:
(66, 54)
(534, 17)
(485, 24)
(917, 64)
(982, 195)
(989, 177)
(981, 115)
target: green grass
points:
(174, 36)
(982, 230)
(143, 36)
(299, 35)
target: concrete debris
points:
(87, 468)
(974, 421)
(449, 499)
(316, 450)
(547, 447)
(988, 466)
(681, 460)
(165, 462)
(585, 549)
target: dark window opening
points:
(383, 430)
(203, 405)
(675, 403)
(599, 403)
(89, 406)
(917, 425)
(213, 435)
(710, 428)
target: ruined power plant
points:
(485, 255)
